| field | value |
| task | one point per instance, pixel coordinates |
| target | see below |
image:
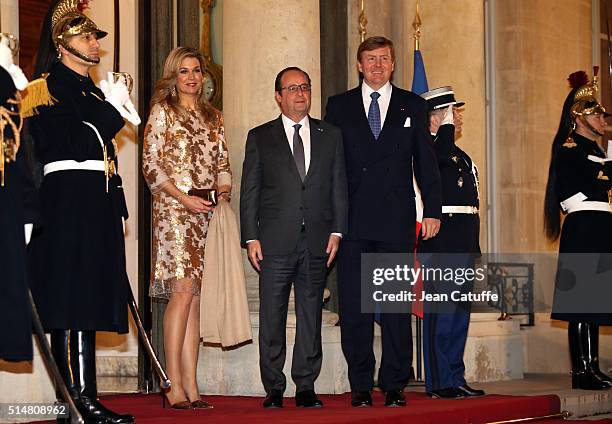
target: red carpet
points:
(606, 421)
(147, 410)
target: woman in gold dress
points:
(184, 149)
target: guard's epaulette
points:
(36, 94)
(569, 143)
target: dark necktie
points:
(298, 152)
(374, 115)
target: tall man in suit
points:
(385, 135)
(293, 213)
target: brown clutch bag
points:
(209, 194)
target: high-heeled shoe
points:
(182, 405)
(201, 404)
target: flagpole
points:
(416, 24)
(363, 21)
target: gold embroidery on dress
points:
(191, 154)
(602, 176)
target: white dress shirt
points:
(383, 100)
(304, 133)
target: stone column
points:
(9, 17)
(259, 39)
(530, 89)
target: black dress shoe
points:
(361, 399)
(470, 392)
(307, 399)
(448, 393)
(395, 398)
(588, 380)
(274, 399)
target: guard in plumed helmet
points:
(79, 278)
(445, 324)
(579, 187)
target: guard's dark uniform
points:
(17, 207)
(580, 185)
(79, 279)
(445, 325)
(587, 231)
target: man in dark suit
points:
(293, 213)
(385, 135)
(445, 324)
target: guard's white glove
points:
(6, 61)
(117, 94)
(27, 230)
(609, 153)
(448, 116)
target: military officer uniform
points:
(445, 324)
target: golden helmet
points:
(585, 98)
(69, 20)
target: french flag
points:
(419, 86)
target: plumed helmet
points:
(68, 20)
(585, 98)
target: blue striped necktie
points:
(374, 115)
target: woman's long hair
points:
(552, 210)
(165, 85)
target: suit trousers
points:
(358, 328)
(308, 273)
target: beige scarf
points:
(224, 317)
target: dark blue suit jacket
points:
(379, 172)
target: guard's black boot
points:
(67, 362)
(85, 345)
(593, 337)
(583, 376)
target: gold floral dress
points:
(190, 153)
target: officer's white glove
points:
(27, 229)
(448, 116)
(6, 61)
(117, 94)
(609, 149)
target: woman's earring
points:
(59, 55)
(573, 125)
(173, 91)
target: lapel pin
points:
(320, 129)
